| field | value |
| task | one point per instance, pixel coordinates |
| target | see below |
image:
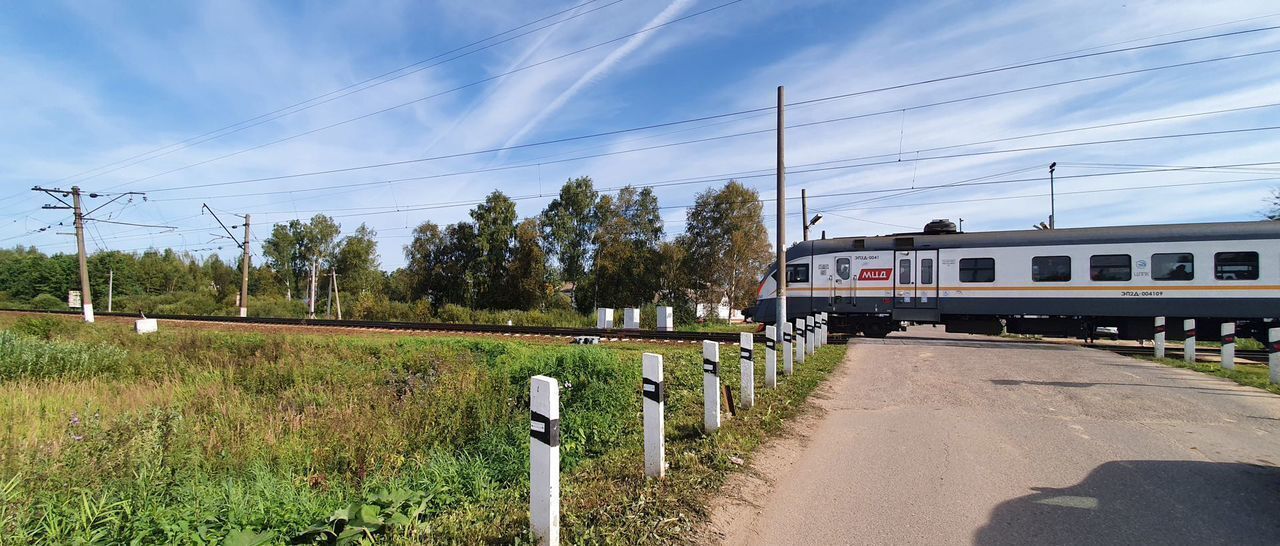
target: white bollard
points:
(800, 341)
(825, 318)
(604, 318)
(655, 400)
(631, 318)
(146, 326)
(711, 386)
(810, 335)
(1159, 337)
(666, 319)
(1273, 353)
(1189, 344)
(244, 312)
(746, 354)
(788, 339)
(770, 357)
(817, 331)
(544, 459)
(1228, 345)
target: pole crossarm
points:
(204, 206)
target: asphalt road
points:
(956, 442)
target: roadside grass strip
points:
(199, 436)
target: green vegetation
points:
(1249, 375)
(195, 436)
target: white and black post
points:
(544, 459)
(770, 357)
(1189, 344)
(1158, 340)
(811, 335)
(1273, 354)
(825, 327)
(788, 339)
(711, 386)
(746, 354)
(655, 401)
(800, 341)
(1228, 345)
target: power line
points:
(645, 127)
(340, 93)
(434, 95)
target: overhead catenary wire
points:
(380, 79)
(666, 124)
(435, 95)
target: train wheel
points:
(880, 331)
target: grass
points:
(1249, 375)
(196, 436)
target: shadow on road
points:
(1147, 502)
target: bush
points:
(48, 302)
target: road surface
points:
(957, 441)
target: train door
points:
(915, 280)
(843, 282)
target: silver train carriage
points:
(1060, 282)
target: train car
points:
(1055, 282)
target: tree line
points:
(585, 249)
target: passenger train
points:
(1054, 282)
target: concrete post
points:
(1189, 345)
(810, 334)
(788, 339)
(631, 318)
(655, 401)
(1273, 353)
(1228, 345)
(1159, 337)
(544, 459)
(746, 355)
(604, 318)
(770, 357)
(711, 386)
(825, 330)
(666, 319)
(800, 341)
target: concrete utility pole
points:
(1052, 212)
(244, 272)
(111, 285)
(86, 298)
(782, 218)
(311, 290)
(804, 212)
(337, 296)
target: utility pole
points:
(244, 261)
(804, 212)
(311, 290)
(1051, 205)
(111, 282)
(244, 272)
(86, 299)
(782, 218)
(337, 296)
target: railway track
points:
(1176, 352)
(492, 329)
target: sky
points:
(285, 109)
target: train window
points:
(1174, 266)
(904, 271)
(1110, 267)
(1051, 268)
(977, 270)
(797, 273)
(843, 268)
(926, 271)
(1235, 266)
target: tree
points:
(1273, 204)
(297, 249)
(356, 261)
(568, 224)
(626, 255)
(528, 271)
(495, 224)
(726, 244)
